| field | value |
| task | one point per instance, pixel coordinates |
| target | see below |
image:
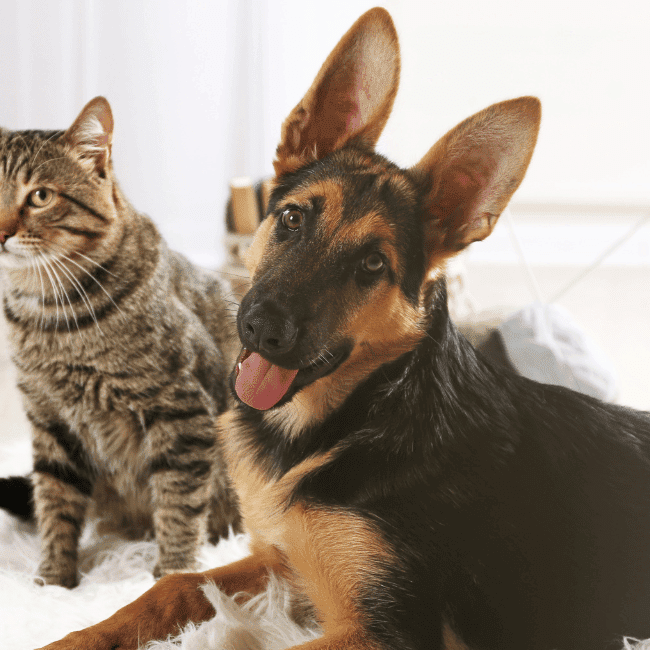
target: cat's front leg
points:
(182, 445)
(63, 482)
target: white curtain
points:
(199, 89)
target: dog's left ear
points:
(472, 172)
(351, 97)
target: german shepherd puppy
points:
(416, 495)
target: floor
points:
(612, 305)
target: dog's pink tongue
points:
(260, 384)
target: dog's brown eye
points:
(292, 219)
(373, 263)
(40, 198)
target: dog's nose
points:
(268, 330)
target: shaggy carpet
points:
(115, 572)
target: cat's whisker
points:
(47, 161)
(52, 275)
(62, 293)
(241, 276)
(97, 264)
(49, 275)
(22, 139)
(81, 291)
(233, 294)
(35, 156)
(74, 315)
(37, 270)
(99, 284)
(58, 248)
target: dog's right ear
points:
(351, 97)
(471, 173)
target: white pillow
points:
(544, 343)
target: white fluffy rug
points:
(115, 572)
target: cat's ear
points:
(472, 172)
(91, 135)
(351, 97)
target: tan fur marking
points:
(332, 553)
(355, 639)
(388, 323)
(450, 641)
(371, 225)
(330, 226)
(262, 500)
(292, 163)
(330, 190)
(248, 575)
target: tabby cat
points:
(122, 347)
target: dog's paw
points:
(87, 640)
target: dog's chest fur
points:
(331, 553)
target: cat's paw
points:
(162, 570)
(67, 580)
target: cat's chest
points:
(116, 443)
(97, 406)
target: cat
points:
(122, 349)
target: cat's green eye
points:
(40, 198)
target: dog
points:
(418, 496)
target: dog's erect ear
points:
(91, 135)
(351, 97)
(473, 171)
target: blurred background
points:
(199, 90)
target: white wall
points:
(199, 89)
(589, 62)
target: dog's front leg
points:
(171, 603)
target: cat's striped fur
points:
(122, 349)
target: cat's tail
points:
(16, 496)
